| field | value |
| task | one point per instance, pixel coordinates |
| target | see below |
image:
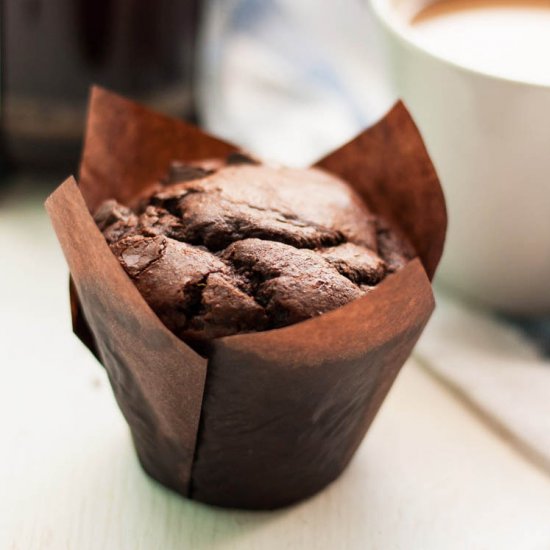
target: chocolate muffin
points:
(226, 247)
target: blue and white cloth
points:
(291, 80)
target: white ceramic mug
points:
(489, 138)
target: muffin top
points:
(226, 247)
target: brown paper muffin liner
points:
(264, 419)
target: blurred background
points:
(289, 81)
(236, 66)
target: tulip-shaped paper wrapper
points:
(267, 418)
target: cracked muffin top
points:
(226, 247)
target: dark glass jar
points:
(53, 50)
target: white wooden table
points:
(430, 474)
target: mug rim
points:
(383, 12)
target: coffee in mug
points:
(507, 38)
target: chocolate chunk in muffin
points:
(115, 220)
(226, 247)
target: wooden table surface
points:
(430, 474)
